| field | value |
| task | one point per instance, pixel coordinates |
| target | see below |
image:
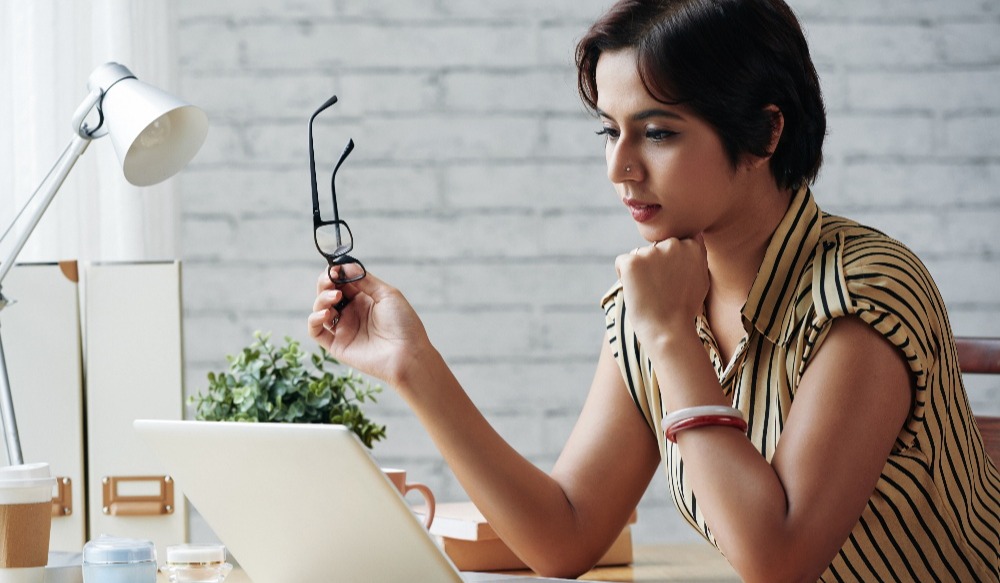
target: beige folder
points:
(41, 340)
(134, 369)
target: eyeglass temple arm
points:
(333, 188)
(312, 160)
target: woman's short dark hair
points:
(726, 60)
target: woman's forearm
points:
(524, 505)
(738, 491)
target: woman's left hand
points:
(665, 286)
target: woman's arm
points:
(784, 520)
(558, 524)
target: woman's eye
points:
(609, 133)
(659, 135)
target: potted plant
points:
(265, 383)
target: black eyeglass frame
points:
(340, 258)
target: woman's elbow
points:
(776, 570)
(568, 564)
(557, 569)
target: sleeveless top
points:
(935, 511)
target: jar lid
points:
(26, 483)
(26, 476)
(108, 550)
(196, 554)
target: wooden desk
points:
(695, 563)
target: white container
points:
(196, 564)
(20, 486)
(109, 559)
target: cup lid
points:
(26, 476)
(195, 554)
(115, 550)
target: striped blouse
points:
(935, 512)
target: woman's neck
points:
(736, 248)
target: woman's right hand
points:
(376, 331)
(665, 285)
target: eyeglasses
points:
(333, 238)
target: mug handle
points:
(428, 497)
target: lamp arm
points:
(11, 438)
(77, 146)
(57, 175)
(63, 165)
(49, 187)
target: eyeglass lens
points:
(334, 239)
(345, 269)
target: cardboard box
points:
(472, 544)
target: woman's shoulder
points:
(861, 270)
(861, 249)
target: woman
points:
(795, 370)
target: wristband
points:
(680, 414)
(706, 415)
(704, 421)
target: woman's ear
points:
(777, 126)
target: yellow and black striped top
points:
(935, 512)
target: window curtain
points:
(49, 48)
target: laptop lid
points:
(297, 502)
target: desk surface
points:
(697, 563)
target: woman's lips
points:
(642, 212)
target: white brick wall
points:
(478, 188)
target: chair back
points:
(982, 356)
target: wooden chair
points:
(982, 356)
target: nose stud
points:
(628, 169)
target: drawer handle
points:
(118, 504)
(62, 503)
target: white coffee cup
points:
(25, 522)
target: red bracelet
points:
(704, 421)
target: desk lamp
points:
(154, 134)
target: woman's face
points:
(668, 165)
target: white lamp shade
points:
(154, 133)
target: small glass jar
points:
(109, 559)
(196, 564)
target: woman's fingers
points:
(323, 283)
(322, 321)
(620, 263)
(326, 299)
(318, 323)
(623, 262)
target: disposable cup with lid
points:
(25, 522)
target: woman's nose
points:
(621, 165)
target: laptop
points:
(300, 502)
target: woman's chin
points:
(655, 233)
